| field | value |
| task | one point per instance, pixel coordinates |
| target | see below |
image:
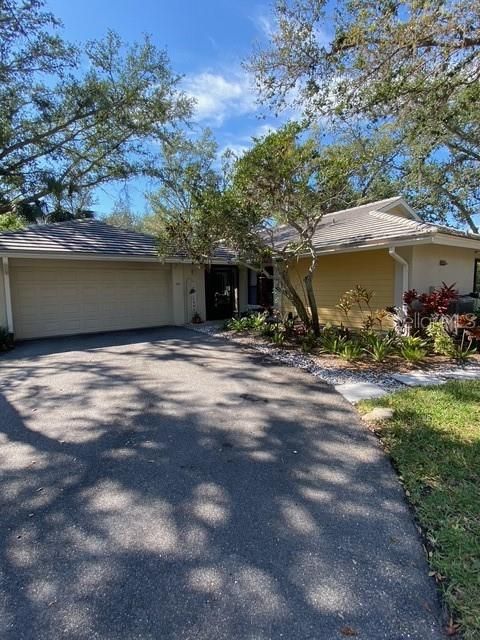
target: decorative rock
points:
(379, 414)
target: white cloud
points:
(264, 130)
(266, 24)
(237, 148)
(219, 97)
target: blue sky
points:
(206, 40)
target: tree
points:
(11, 222)
(285, 179)
(183, 207)
(70, 121)
(412, 66)
(122, 215)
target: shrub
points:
(278, 336)
(430, 305)
(413, 349)
(462, 353)
(268, 329)
(332, 340)
(237, 324)
(351, 350)
(253, 322)
(379, 347)
(309, 342)
(257, 321)
(443, 343)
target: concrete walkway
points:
(164, 484)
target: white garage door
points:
(60, 297)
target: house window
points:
(476, 279)
(252, 287)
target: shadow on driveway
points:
(162, 484)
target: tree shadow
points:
(180, 489)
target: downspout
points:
(404, 263)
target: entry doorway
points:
(221, 292)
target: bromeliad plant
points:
(413, 349)
(379, 347)
(253, 322)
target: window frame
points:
(476, 276)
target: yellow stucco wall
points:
(336, 274)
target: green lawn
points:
(434, 441)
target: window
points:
(476, 278)
(252, 287)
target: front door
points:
(220, 289)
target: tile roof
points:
(366, 225)
(87, 237)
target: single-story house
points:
(85, 276)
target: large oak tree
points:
(73, 118)
(407, 68)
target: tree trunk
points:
(312, 302)
(293, 296)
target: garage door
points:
(59, 297)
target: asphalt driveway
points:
(164, 485)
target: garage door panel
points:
(75, 298)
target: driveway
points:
(164, 485)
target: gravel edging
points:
(301, 361)
(333, 376)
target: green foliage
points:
(238, 325)
(252, 322)
(75, 117)
(287, 177)
(122, 215)
(413, 349)
(434, 441)
(407, 71)
(350, 350)
(278, 336)
(268, 330)
(331, 341)
(379, 347)
(443, 343)
(462, 352)
(11, 222)
(309, 342)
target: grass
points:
(434, 441)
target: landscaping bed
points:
(336, 370)
(433, 439)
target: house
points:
(85, 276)
(385, 247)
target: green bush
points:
(413, 349)
(378, 346)
(443, 343)
(351, 350)
(278, 336)
(254, 322)
(332, 342)
(309, 342)
(268, 329)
